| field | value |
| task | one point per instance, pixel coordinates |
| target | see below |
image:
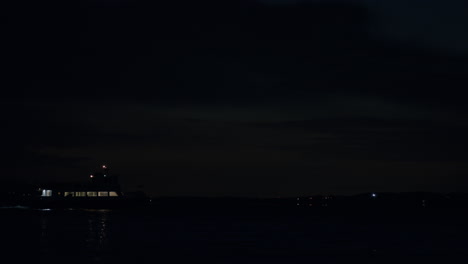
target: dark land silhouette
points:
(18, 194)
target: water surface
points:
(152, 236)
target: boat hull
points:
(87, 202)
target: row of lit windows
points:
(81, 194)
(90, 194)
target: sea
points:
(151, 235)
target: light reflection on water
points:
(97, 232)
(105, 236)
(83, 233)
(44, 232)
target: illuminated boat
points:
(102, 191)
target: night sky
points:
(237, 98)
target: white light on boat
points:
(46, 193)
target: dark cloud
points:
(159, 53)
(212, 98)
(430, 25)
(227, 150)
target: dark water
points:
(152, 236)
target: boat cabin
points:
(100, 185)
